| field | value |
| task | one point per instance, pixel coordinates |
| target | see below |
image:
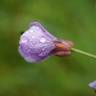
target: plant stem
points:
(83, 52)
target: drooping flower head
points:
(36, 43)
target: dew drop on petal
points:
(31, 30)
(32, 37)
(42, 40)
(42, 54)
(32, 43)
(43, 49)
(24, 41)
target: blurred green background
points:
(67, 19)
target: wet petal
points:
(36, 43)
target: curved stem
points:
(83, 52)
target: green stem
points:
(83, 52)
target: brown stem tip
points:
(62, 48)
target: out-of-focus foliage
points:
(67, 19)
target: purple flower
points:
(36, 43)
(93, 85)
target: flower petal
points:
(36, 43)
(93, 85)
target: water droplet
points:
(33, 43)
(31, 30)
(43, 49)
(24, 41)
(42, 40)
(32, 37)
(35, 28)
(42, 54)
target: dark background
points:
(67, 19)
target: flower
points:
(93, 85)
(36, 43)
